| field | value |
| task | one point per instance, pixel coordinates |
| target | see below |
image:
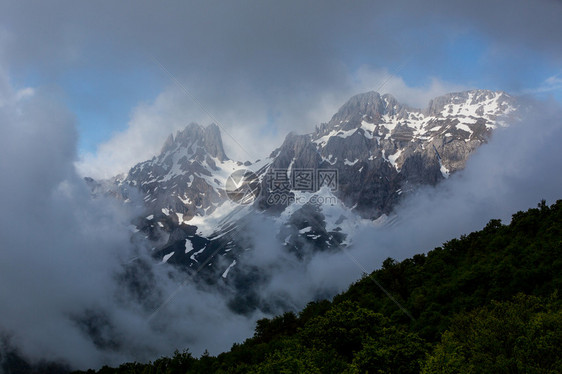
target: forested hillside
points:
(485, 302)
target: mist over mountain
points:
(171, 173)
(183, 265)
(376, 151)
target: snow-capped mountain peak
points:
(382, 149)
(187, 178)
(377, 149)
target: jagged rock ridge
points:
(383, 149)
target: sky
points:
(92, 88)
(132, 73)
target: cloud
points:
(251, 38)
(550, 85)
(173, 109)
(382, 81)
(76, 288)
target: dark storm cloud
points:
(265, 42)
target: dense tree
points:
(519, 336)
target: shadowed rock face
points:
(207, 140)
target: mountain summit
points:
(205, 141)
(383, 149)
(187, 178)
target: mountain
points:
(380, 148)
(383, 149)
(187, 176)
(319, 186)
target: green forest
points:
(485, 302)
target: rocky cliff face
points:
(382, 149)
(187, 178)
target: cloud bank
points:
(74, 287)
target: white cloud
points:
(151, 123)
(383, 81)
(65, 263)
(555, 80)
(550, 84)
(146, 131)
(7, 94)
